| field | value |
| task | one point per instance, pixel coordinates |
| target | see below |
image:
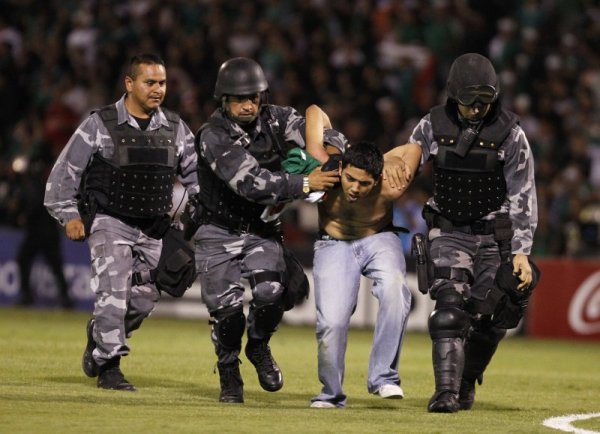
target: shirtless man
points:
(357, 238)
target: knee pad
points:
(229, 328)
(267, 317)
(267, 296)
(448, 322)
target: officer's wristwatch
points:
(305, 185)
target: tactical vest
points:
(466, 189)
(137, 181)
(220, 203)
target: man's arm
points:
(400, 166)
(230, 162)
(63, 183)
(520, 183)
(316, 121)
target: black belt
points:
(477, 227)
(255, 227)
(143, 223)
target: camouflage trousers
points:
(478, 254)
(223, 258)
(117, 250)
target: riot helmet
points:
(240, 76)
(472, 78)
(508, 282)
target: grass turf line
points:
(43, 390)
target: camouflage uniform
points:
(463, 335)
(117, 248)
(227, 250)
(459, 249)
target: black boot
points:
(269, 374)
(111, 377)
(466, 395)
(90, 368)
(479, 349)
(448, 359)
(232, 385)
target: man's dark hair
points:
(143, 58)
(366, 156)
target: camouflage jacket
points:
(224, 146)
(91, 138)
(521, 198)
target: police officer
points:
(113, 184)
(240, 151)
(483, 210)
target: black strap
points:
(141, 277)
(503, 235)
(452, 273)
(274, 131)
(264, 276)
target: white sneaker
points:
(322, 404)
(390, 391)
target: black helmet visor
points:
(484, 94)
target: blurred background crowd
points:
(375, 66)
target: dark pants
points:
(47, 243)
(223, 258)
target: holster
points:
(159, 227)
(191, 218)
(420, 250)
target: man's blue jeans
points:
(338, 266)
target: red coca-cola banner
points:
(566, 303)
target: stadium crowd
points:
(376, 66)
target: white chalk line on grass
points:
(563, 423)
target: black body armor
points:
(220, 204)
(470, 187)
(137, 181)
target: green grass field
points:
(43, 390)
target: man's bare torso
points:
(345, 220)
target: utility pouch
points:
(297, 287)
(176, 269)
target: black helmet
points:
(240, 76)
(508, 282)
(472, 77)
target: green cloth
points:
(299, 161)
